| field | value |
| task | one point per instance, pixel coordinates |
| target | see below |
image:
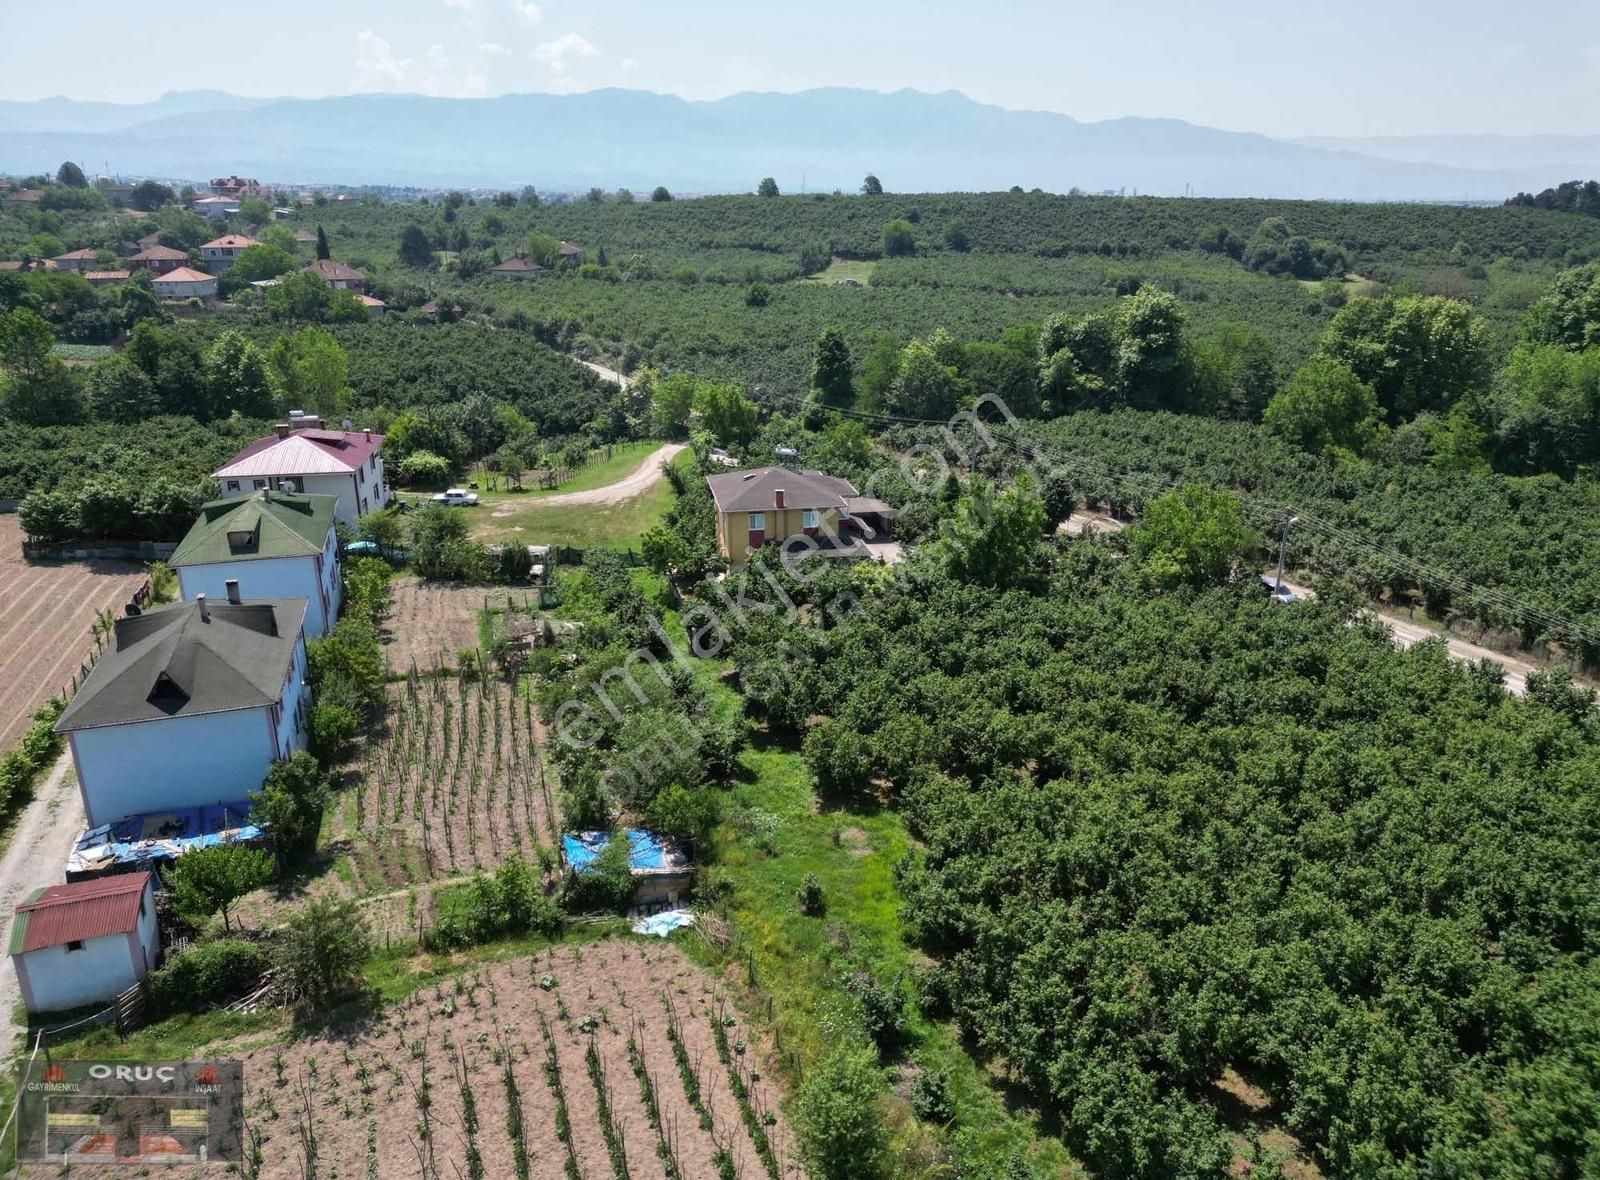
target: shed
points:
(85, 942)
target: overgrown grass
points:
(527, 521)
(624, 458)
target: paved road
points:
(34, 856)
(1407, 634)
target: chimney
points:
(233, 590)
(368, 433)
(282, 429)
(205, 611)
(779, 495)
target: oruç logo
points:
(54, 1073)
(207, 1076)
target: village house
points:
(271, 545)
(189, 705)
(86, 942)
(517, 268)
(184, 283)
(158, 259)
(237, 187)
(570, 254)
(373, 305)
(345, 464)
(220, 253)
(338, 276)
(215, 208)
(77, 260)
(105, 278)
(776, 503)
(24, 196)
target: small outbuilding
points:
(86, 942)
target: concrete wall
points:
(54, 979)
(174, 762)
(733, 528)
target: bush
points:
(840, 1128)
(290, 802)
(423, 468)
(36, 751)
(333, 726)
(930, 1096)
(322, 950)
(812, 902)
(607, 884)
(206, 975)
(502, 904)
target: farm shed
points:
(84, 942)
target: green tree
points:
(206, 881)
(840, 1118)
(767, 188)
(923, 388)
(1417, 352)
(955, 237)
(994, 540)
(254, 211)
(39, 390)
(661, 194)
(255, 264)
(682, 815)
(1194, 536)
(415, 248)
(321, 951)
(832, 370)
(313, 371)
(544, 249)
(1325, 407)
(1545, 410)
(322, 245)
(290, 803)
(725, 411)
(1151, 359)
(672, 399)
(70, 175)
(871, 186)
(240, 378)
(300, 296)
(149, 195)
(1569, 313)
(119, 391)
(898, 238)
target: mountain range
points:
(820, 139)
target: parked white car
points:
(456, 498)
(718, 455)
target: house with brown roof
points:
(570, 254)
(158, 259)
(781, 503)
(24, 196)
(86, 942)
(215, 208)
(345, 464)
(184, 283)
(338, 276)
(237, 187)
(77, 260)
(219, 254)
(517, 268)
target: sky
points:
(1357, 67)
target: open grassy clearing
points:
(601, 470)
(615, 526)
(615, 1057)
(844, 270)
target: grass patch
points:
(773, 835)
(844, 270)
(623, 461)
(612, 526)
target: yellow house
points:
(777, 503)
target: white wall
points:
(267, 577)
(292, 727)
(174, 762)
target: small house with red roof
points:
(338, 276)
(345, 464)
(158, 259)
(77, 260)
(86, 942)
(220, 253)
(184, 283)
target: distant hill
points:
(1558, 156)
(828, 138)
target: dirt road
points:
(637, 482)
(609, 374)
(1407, 634)
(35, 855)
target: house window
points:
(809, 519)
(75, 944)
(233, 485)
(758, 522)
(259, 484)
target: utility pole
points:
(1283, 542)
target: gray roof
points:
(177, 662)
(756, 490)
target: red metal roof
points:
(348, 448)
(82, 910)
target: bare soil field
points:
(46, 611)
(566, 1063)
(453, 784)
(430, 622)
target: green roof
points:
(261, 524)
(187, 659)
(19, 923)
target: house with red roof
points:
(184, 283)
(86, 942)
(220, 253)
(345, 464)
(338, 276)
(77, 260)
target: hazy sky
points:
(1356, 67)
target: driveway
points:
(636, 483)
(35, 855)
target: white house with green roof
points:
(270, 545)
(189, 706)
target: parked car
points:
(456, 498)
(1277, 591)
(718, 455)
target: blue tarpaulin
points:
(645, 849)
(159, 836)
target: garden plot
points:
(614, 1059)
(453, 784)
(430, 623)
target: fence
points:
(569, 555)
(98, 550)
